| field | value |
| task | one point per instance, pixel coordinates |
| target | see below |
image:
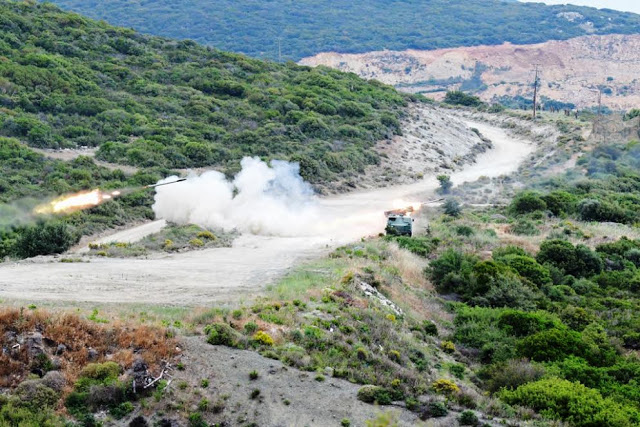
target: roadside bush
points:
(44, 239)
(445, 184)
(572, 402)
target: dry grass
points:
(118, 341)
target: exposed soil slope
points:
(571, 69)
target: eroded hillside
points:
(571, 69)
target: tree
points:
(452, 208)
(445, 183)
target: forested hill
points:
(68, 81)
(296, 29)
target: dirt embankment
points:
(571, 70)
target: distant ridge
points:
(291, 30)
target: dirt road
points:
(242, 271)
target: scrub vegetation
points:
(67, 81)
(293, 30)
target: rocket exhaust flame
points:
(84, 200)
(73, 202)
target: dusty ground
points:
(223, 274)
(433, 141)
(571, 70)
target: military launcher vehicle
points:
(399, 221)
(399, 225)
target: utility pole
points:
(536, 82)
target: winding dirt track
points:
(223, 274)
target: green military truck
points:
(399, 225)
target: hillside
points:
(572, 70)
(68, 81)
(296, 29)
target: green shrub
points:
(511, 374)
(527, 202)
(374, 394)
(578, 261)
(468, 418)
(528, 268)
(560, 202)
(572, 402)
(44, 239)
(429, 328)
(452, 270)
(452, 207)
(444, 386)
(457, 97)
(524, 227)
(101, 371)
(521, 324)
(551, 344)
(445, 184)
(222, 334)
(437, 409)
(263, 338)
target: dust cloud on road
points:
(241, 271)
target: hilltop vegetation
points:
(296, 29)
(69, 81)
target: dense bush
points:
(44, 238)
(578, 261)
(528, 201)
(572, 402)
(452, 270)
(528, 268)
(460, 98)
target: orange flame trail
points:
(75, 202)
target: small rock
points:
(34, 344)
(92, 354)
(60, 349)
(328, 371)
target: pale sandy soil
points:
(241, 271)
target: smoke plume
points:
(268, 199)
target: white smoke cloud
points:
(267, 199)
